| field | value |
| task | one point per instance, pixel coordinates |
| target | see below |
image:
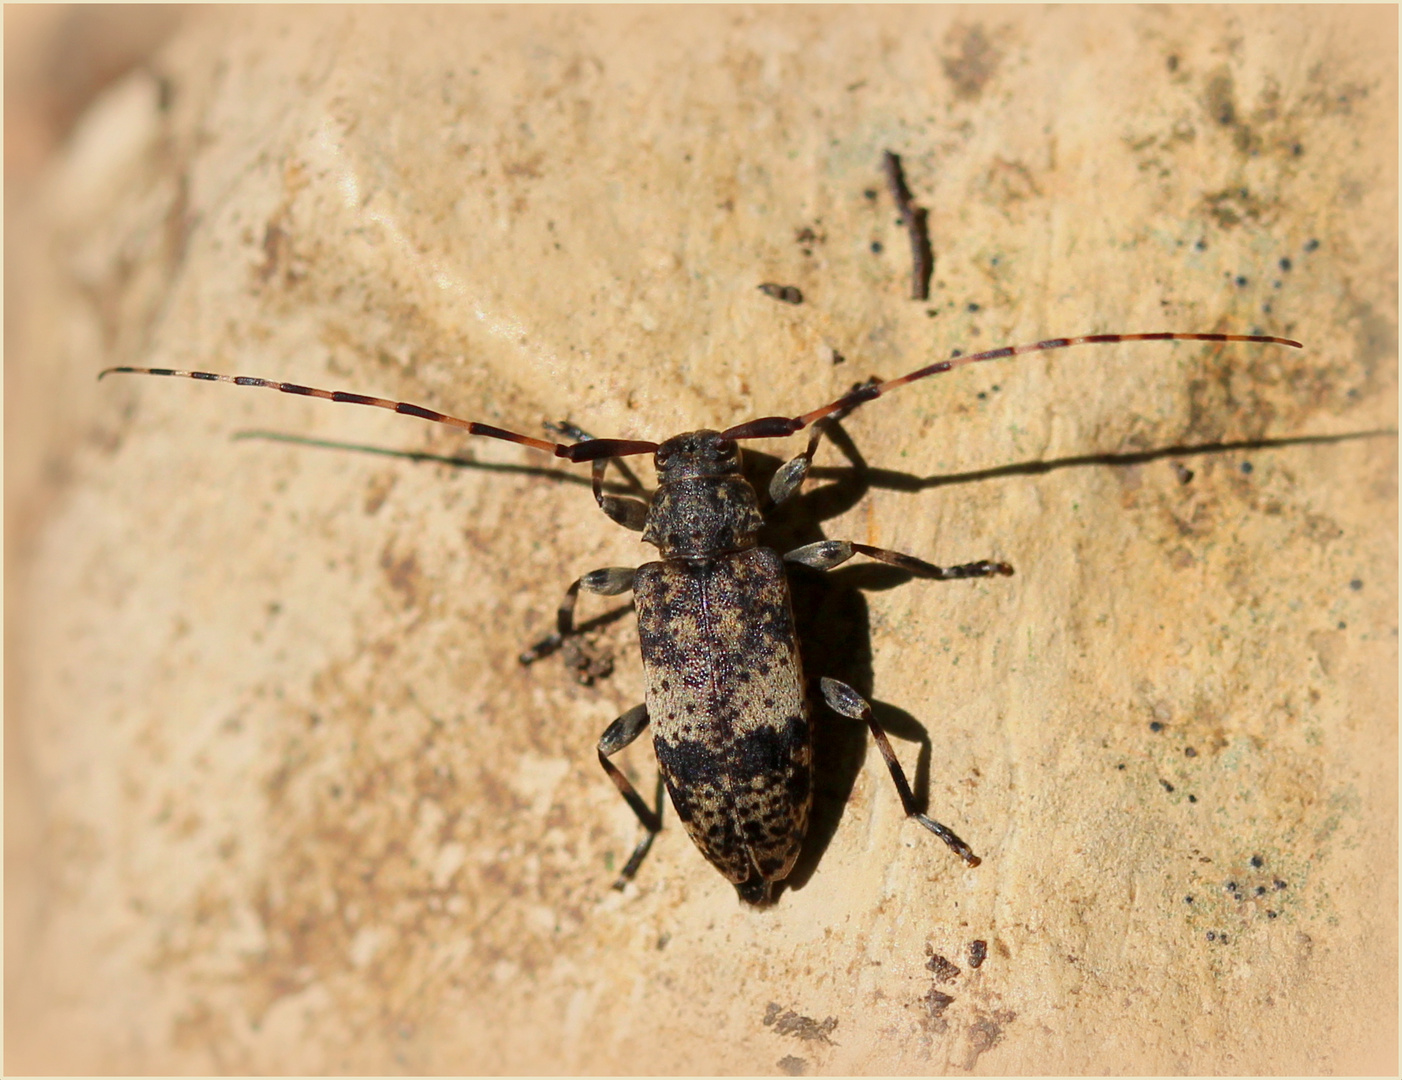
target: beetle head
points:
(696, 455)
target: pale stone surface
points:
(280, 797)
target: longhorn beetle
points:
(725, 692)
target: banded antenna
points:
(765, 427)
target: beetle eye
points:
(725, 448)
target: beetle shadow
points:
(834, 630)
(833, 620)
(628, 486)
(830, 610)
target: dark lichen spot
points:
(1221, 105)
(937, 1001)
(788, 294)
(788, 1022)
(974, 61)
(1156, 726)
(944, 970)
(1257, 861)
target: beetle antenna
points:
(773, 427)
(580, 451)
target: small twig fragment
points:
(914, 219)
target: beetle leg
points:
(630, 513)
(846, 701)
(565, 430)
(790, 476)
(619, 734)
(825, 554)
(609, 581)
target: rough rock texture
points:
(280, 797)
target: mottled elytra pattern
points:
(725, 689)
(725, 693)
